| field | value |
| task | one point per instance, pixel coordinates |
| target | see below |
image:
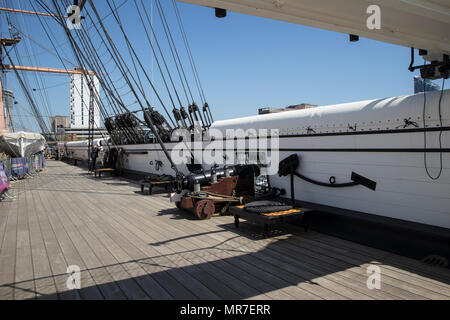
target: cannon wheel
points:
(204, 209)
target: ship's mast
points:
(4, 42)
(2, 109)
(9, 42)
(48, 70)
(27, 12)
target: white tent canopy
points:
(21, 144)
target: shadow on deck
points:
(159, 252)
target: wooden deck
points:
(130, 246)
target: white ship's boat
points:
(21, 144)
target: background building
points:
(7, 114)
(80, 97)
(58, 124)
(80, 134)
(429, 85)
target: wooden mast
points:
(49, 70)
(4, 42)
(28, 12)
(2, 111)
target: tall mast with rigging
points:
(4, 42)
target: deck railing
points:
(16, 168)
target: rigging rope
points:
(88, 58)
(30, 99)
(189, 51)
(440, 132)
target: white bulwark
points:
(80, 95)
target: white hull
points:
(381, 149)
(78, 150)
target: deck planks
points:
(130, 246)
(8, 251)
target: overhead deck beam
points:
(422, 24)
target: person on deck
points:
(94, 157)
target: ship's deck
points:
(130, 246)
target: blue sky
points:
(247, 62)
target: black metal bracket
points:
(289, 166)
(220, 13)
(364, 181)
(428, 71)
